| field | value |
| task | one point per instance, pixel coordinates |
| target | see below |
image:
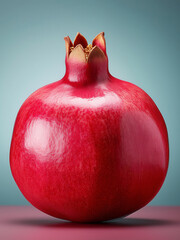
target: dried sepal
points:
(68, 45)
(100, 42)
(80, 39)
(96, 54)
(78, 55)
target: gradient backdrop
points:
(143, 45)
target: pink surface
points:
(22, 222)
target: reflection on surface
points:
(148, 223)
(38, 136)
(43, 137)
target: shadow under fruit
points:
(89, 147)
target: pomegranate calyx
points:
(96, 50)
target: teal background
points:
(143, 45)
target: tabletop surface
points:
(26, 222)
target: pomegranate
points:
(89, 147)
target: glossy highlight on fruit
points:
(89, 147)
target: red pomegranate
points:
(89, 147)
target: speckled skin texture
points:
(89, 151)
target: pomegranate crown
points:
(81, 51)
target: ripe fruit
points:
(89, 147)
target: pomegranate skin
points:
(89, 152)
